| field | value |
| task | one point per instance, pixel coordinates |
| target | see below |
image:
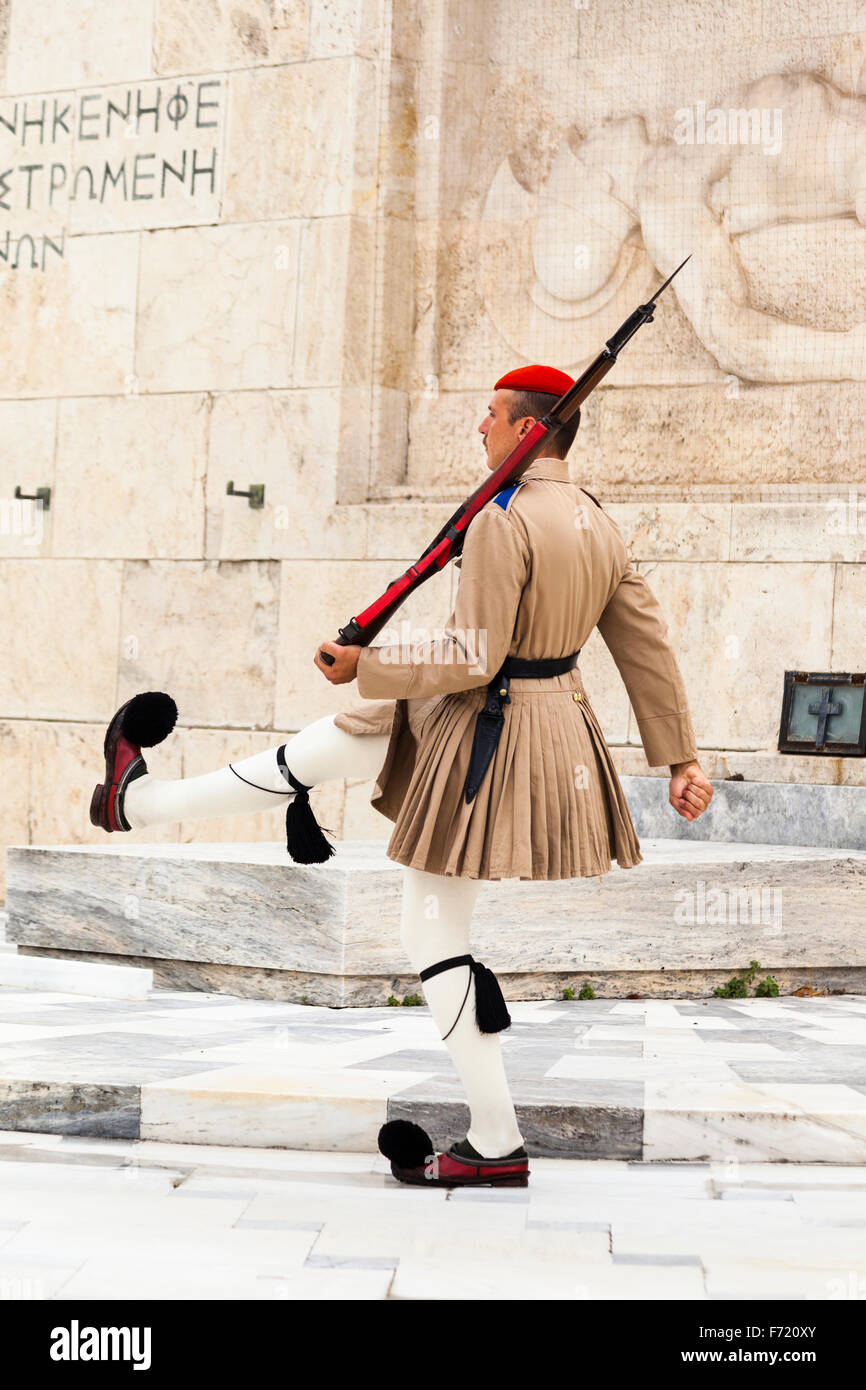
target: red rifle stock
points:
(361, 630)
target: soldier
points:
(528, 791)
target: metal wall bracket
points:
(256, 493)
(42, 494)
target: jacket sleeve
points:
(635, 631)
(478, 634)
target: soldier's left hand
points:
(690, 791)
(345, 666)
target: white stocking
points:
(436, 908)
(318, 753)
(434, 926)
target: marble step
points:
(750, 1080)
(701, 1121)
(243, 919)
(75, 977)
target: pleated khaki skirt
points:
(551, 805)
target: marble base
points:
(243, 919)
(770, 813)
(289, 1109)
(68, 1107)
(344, 991)
(767, 1123)
(7, 948)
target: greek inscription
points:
(106, 148)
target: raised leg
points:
(318, 753)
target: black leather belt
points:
(490, 719)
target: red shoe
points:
(143, 721)
(412, 1161)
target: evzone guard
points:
(485, 749)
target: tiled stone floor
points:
(91, 1219)
(754, 1079)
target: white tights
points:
(434, 925)
(436, 908)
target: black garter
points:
(491, 1014)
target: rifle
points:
(448, 544)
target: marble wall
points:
(293, 242)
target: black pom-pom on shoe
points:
(149, 718)
(405, 1143)
(144, 720)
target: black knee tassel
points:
(304, 838)
(491, 1015)
(490, 1012)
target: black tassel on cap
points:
(304, 838)
(491, 1015)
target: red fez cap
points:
(536, 378)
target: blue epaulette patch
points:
(504, 497)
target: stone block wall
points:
(294, 242)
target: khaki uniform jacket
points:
(536, 577)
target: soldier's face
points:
(500, 435)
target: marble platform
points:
(245, 920)
(771, 813)
(156, 1220)
(739, 1081)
